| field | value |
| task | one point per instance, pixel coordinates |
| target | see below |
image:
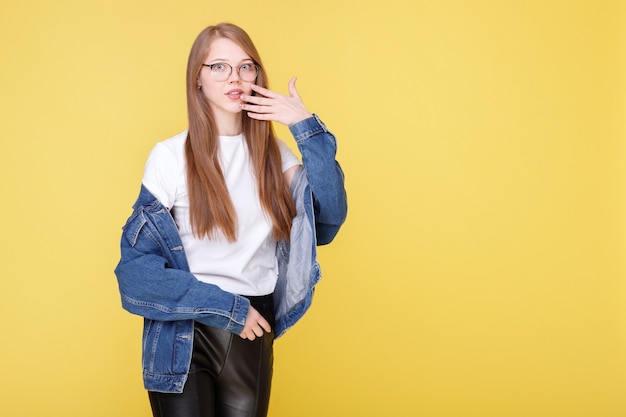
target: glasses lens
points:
(220, 71)
(248, 72)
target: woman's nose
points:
(234, 76)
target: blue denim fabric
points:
(155, 282)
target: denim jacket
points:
(155, 282)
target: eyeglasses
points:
(221, 71)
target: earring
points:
(199, 87)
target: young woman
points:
(219, 254)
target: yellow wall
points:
(481, 270)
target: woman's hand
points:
(268, 105)
(254, 326)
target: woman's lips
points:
(234, 94)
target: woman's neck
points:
(229, 125)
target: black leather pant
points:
(229, 376)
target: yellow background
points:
(481, 269)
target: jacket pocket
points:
(167, 347)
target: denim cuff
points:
(307, 128)
(239, 314)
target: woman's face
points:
(224, 95)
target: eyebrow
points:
(226, 61)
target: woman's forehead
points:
(224, 48)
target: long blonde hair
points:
(211, 208)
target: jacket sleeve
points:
(318, 147)
(152, 288)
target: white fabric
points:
(246, 266)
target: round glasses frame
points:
(224, 74)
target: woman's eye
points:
(245, 67)
(219, 67)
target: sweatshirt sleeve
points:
(161, 174)
(288, 158)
